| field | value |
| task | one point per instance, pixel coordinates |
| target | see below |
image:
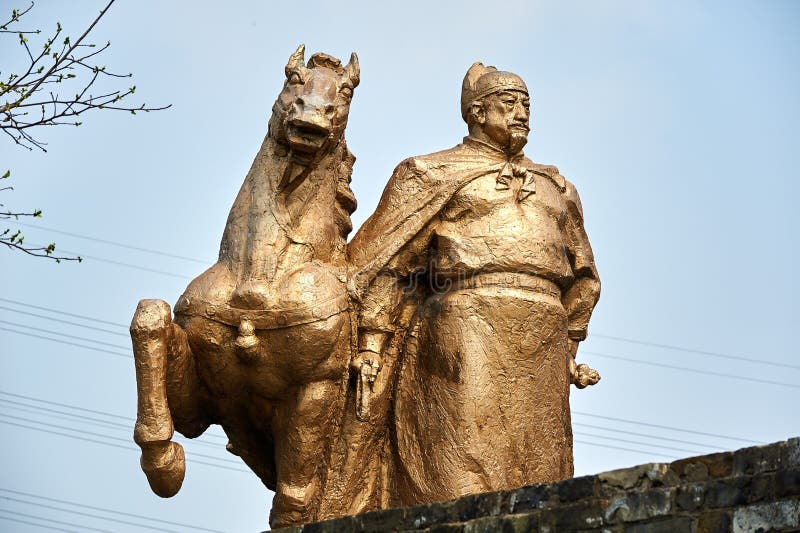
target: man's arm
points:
(388, 292)
(581, 297)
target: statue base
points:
(749, 490)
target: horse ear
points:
(296, 59)
(353, 70)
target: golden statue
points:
(429, 358)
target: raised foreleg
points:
(164, 377)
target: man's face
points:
(506, 116)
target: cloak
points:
(363, 464)
(418, 190)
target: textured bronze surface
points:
(429, 358)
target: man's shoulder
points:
(435, 159)
(552, 173)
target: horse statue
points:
(261, 342)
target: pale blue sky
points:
(677, 122)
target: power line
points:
(67, 335)
(624, 449)
(576, 412)
(89, 515)
(101, 435)
(126, 427)
(113, 426)
(113, 243)
(622, 339)
(216, 446)
(105, 510)
(195, 461)
(128, 356)
(645, 435)
(650, 363)
(692, 350)
(130, 448)
(595, 435)
(127, 265)
(42, 526)
(167, 254)
(67, 435)
(636, 422)
(62, 415)
(80, 527)
(63, 321)
(74, 315)
(695, 370)
(54, 413)
(63, 405)
(83, 409)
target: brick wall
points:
(750, 490)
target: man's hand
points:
(367, 362)
(580, 375)
(583, 375)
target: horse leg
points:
(306, 426)
(164, 366)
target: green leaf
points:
(7, 174)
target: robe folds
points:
(471, 277)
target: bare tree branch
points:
(26, 106)
(69, 64)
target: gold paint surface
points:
(429, 358)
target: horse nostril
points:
(299, 102)
(329, 109)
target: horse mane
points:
(255, 233)
(325, 61)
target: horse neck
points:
(263, 237)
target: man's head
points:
(496, 107)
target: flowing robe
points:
(473, 273)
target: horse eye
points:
(347, 92)
(294, 78)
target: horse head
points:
(310, 114)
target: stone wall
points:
(750, 490)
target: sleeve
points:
(397, 284)
(580, 298)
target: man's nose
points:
(520, 111)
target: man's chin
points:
(517, 141)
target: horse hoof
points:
(289, 507)
(164, 467)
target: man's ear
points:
(478, 113)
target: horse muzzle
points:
(308, 134)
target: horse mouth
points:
(306, 137)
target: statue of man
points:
(476, 281)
